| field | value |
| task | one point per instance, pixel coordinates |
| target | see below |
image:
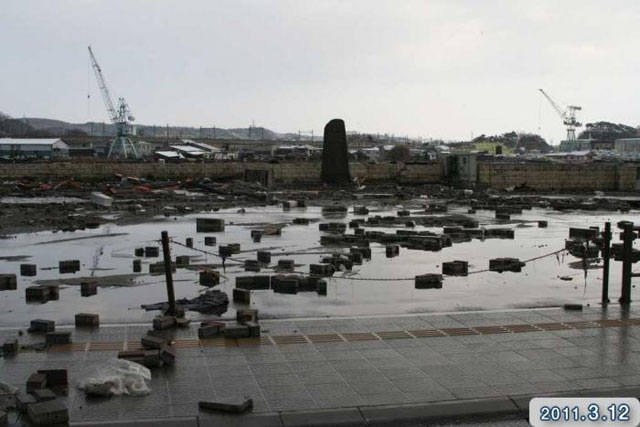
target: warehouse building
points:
(42, 148)
(628, 148)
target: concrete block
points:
(28, 270)
(392, 251)
(253, 282)
(151, 359)
(209, 331)
(42, 326)
(69, 266)
(236, 331)
(43, 394)
(88, 320)
(428, 281)
(455, 268)
(323, 270)
(48, 413)
(264, 257)
(360, 210)
(168, 355)
(10, 347)
(252, 265)
(232, 405)
(254, 329)
(225, 251)
(36, 382)
(506, 264)
(23, 400)
(151, 342)
(100, 199)
(242, 296)
(55, 377)
(285, 284)
(88, 288)
(158, 267)
(181, 322)
(8, 282)
(322, 287)
(182, 261)
(209, 225)
(364, 251)
(209, 278)
(151, 252)
(57, 338)
(161, 323)
(286, 265)
(245, 315)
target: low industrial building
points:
(37, 148)
(628, 148)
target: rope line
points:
(369, 279)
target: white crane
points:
(122, 145)
(568, 116)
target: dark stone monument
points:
(335, 158)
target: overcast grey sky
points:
(443, 69)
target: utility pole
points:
(214, 132)
(200, 132)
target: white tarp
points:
(117, 377)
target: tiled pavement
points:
(391, 369)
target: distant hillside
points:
(609, 132)
(58, 128)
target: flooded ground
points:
(109, 251)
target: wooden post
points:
(166, 252)
(627, 253)
(606, 254)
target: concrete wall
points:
(558, 177)
(540, 176)
(281, 172)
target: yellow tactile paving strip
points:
(355, 336)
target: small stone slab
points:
(23, 401)
(42, 395)
(227, 405)
(168, 355)
(36, 382)
(48, 413)
(152, 342)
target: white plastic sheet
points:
(117, 377)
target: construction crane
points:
(568, 116)
(122, 146)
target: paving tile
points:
(473, 392)
(539, 376)
(278, 380)
(401, 372)
(388, 398)
(417, 384)
(557, 386)
(320, 377)
(596, 382)
(372, 387)
(342, 355)
(429, 396)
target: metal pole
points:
(606, 254)
(627, 249)
(166, 252)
